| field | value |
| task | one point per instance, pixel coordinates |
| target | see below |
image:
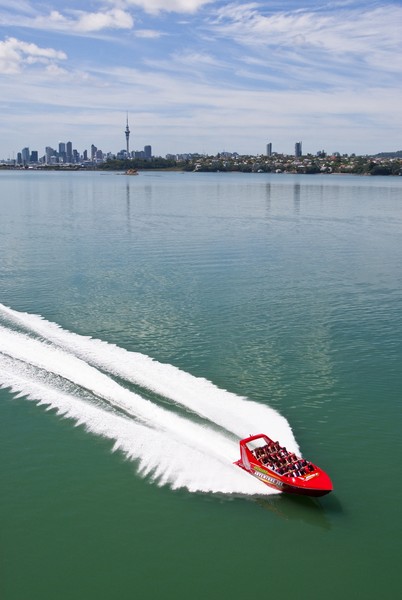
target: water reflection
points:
(128, 207)
(268, 193)
(312, 511)
(296, 198)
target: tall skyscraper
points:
(148, 151)
(298, 149)
(127, 132)
(69, 152)
(62, 152)
(269, 149)
(25, 155)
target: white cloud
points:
(112, 19)
(71, 21)
(371, 35)
(17, 6)
(148, 33)
(333, 47)
(56, 72)
(14, 54)
(190, 66)
(84, 22)
(178, 6)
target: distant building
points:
(269, 149)
(34, 156)
(49, 154)
(148, 151)
(298, 149)
(25, 156)
(69, 152)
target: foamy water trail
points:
(160, 457)
(74, 375)
(234, 413)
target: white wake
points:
(75, 374)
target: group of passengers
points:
(278, 459)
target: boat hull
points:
(282, 486)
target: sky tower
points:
(127, 132)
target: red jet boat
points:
(275, 466)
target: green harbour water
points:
(284, 290)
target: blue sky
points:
(201, 75)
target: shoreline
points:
(182, 170)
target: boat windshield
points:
(258, 443)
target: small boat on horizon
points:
(280, 469)
(131, 172)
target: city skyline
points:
(202, 75)
(65, 153)
(69, 155)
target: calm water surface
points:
(286, 290)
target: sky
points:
(201, 75)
